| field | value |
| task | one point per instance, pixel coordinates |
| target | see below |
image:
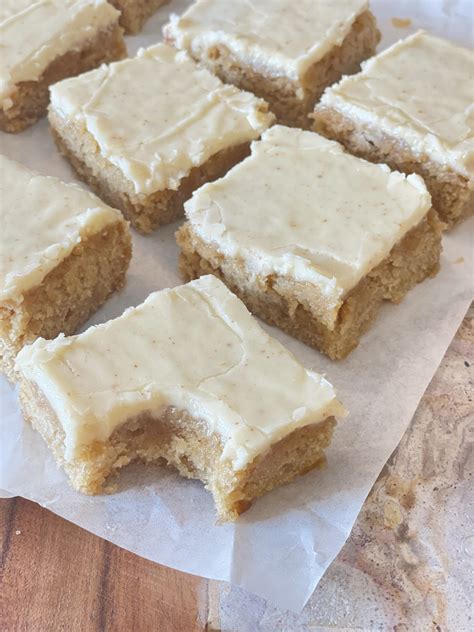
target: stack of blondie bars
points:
(315, 178)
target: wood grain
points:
(55, 576)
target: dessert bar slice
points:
(44, 42)
(311, 238)
(412, 108)
(189, 377)
(62, 253)
(285, 52)
(145, 132)
(134, 13)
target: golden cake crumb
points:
(401, 23)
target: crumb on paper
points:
(401, 23)
(459, 260)
(18, 532)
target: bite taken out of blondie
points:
(189, 378)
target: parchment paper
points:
(281, 547)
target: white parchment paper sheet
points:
(281, 547)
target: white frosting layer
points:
(276, 37)
(420, 91)
(194, 347)
(42, 220)
(300, 206)
(158, 115)
(33, 33)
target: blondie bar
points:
(44, 42)
(411, 107)
(62, 253)
(285, 52)
(188, 377)
(311, 238)
(147, 131)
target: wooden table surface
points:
(56, 576)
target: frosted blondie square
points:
(44, 42)
(311, 238)
(147, 131)
(188, 377)
(62, 253)
(285, 52)
(134, 13)
(412, 108)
